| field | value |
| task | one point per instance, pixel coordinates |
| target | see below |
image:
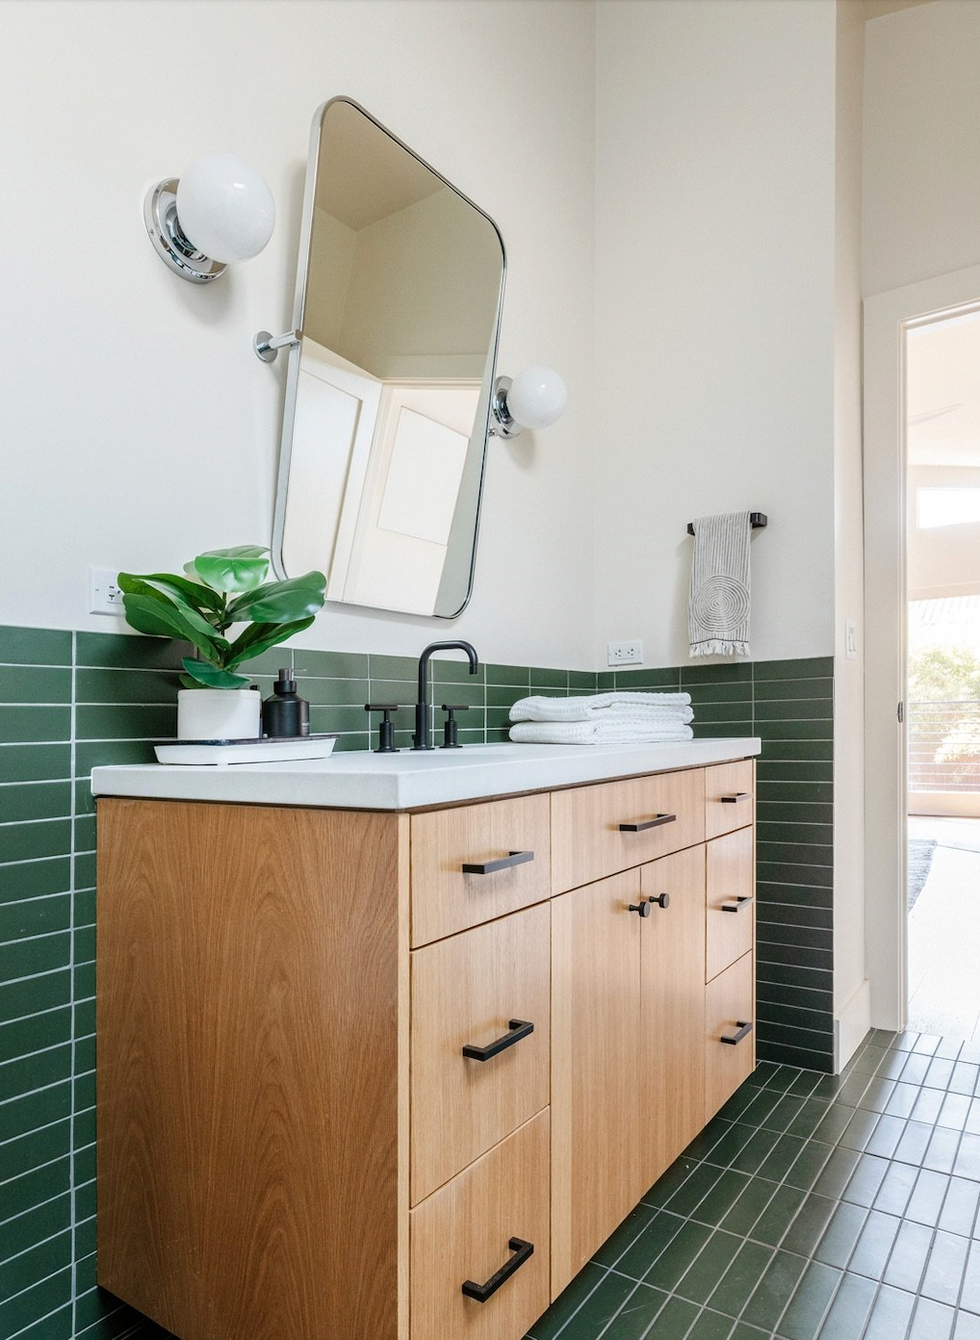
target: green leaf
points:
(191, 593)
(202, 621)
(280, 602)
(157, 614)
(240, 569)
(260, 637)
(211, 677)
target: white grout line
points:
(38, 1321)
(30, 939)
(29, 1172)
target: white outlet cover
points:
(629, 652)
(104, 596)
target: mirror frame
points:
(292, 372)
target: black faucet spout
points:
(422, 736)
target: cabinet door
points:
(475, 1229)
(596, 1176)
(597, 830)
(729, 1020)
(730, 912)
(468, 991)
(472, 863)
(729, 797)
(672, 1008)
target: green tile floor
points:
(813, 1207)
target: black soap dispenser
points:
(284, 714)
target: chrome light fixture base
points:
(503, 423)
(170, 242)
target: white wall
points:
(715, 311)
(151, 432)
(921, 141)
(851, 997)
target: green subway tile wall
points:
(790, 705)
(70, 701)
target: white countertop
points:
(407, 780)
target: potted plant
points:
(222, 587)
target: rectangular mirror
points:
(388, 390)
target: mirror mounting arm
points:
(267, 345)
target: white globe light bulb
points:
(537, 397)
(225, 208)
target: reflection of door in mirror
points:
(399, 307)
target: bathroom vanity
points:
(388, 1046)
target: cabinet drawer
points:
(729, 1004)
(476, 989)
(446, 897)
(729, 797)
(730, 918)
(600, 830)
(467, 1231)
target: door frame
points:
(887, 318)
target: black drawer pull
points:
(519, 1028)
(655, 822)
(744, 1030)
(741, 901)
(662, 901)
(481, 1292)
(504, 863)
(642, 908)
(733, 800)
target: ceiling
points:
(873, 9)
(943, 392)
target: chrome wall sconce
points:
(533, 399)
(219, 212)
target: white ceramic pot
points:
(219, 714)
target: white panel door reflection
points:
(409, 495)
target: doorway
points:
(922, 476)
(942, 538)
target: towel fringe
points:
(716, 647)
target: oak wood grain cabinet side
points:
(253, 1069)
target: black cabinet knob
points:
(643, 909)
(662, 901)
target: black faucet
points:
(421, 740)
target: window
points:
(946, 507)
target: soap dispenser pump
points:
(284, 713)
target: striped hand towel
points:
(718, 610)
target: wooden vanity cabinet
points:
(395, 1076)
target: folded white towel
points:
(718, 608)
(597, 732)
(656, 705)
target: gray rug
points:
(920, 862)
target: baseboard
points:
(851, 1025)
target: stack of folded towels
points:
(603, 718)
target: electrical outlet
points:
(104, 595)
(624, 653)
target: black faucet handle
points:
(450, 730)
(386, 743)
